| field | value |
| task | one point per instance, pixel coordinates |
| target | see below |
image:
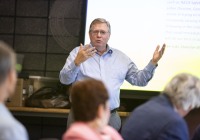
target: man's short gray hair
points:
(100, 20)
(7, 60)
(184, 91)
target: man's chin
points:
(99, 45)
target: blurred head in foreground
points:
(8, 76)
(90, 102)
(91, 112)
(184, 92)
(10, 128)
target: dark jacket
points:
(155, 120)
(196, 135)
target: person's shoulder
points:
(112, 132)
(177, 127)
(79, 131)
(13, 129)
(117, 51)
(120, 55)
(76, 128)
(153, 107)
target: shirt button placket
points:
(102, 69)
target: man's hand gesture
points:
(157, 55)
(84, 53)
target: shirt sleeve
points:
(16, 132)
(140, 77)
(70, 71)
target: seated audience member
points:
(91, 112)
(196, 135)
(10, 128)
(161, 118)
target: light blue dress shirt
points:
(113, 67)
(10, 128)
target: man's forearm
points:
(69, 73)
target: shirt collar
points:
(108, 49)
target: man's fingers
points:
(90, 49)
(164, 45)
(163, 48)
(91, 53)
(86, 47)
(157, 48)
(87, 51)
(81, 46)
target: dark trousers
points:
(114, 121)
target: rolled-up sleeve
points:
(140, 77)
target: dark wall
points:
(43, 127)
(25, 25)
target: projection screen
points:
(138, 26)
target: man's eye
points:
(96, 32)
(102, 32)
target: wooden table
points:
(47, 112)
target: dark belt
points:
(113, 110)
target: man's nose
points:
(99, 34)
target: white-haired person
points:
(10, 128)
(161, 118)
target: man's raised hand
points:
(84, 53)
(157, 55)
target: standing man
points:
(10, 128)
(98, 60)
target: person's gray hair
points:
(100, 20)
(7, 60)
(184, 91)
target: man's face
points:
(99, 35)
